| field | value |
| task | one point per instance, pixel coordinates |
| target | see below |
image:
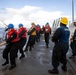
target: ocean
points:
(2, 32)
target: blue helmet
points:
(10, 26)
(47, 23)
(38, 25)
(20, 25)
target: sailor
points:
(73, 43)
(38, 29)
(61, 40)
(32, 37)
(22, 33)
(11, 46)
(47, 34)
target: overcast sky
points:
(38, 11)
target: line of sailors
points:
(16, 39)
(35, 33)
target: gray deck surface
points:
(36, 62)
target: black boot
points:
(12, 67)
(64, 68)
(30, 48)
(22, 56)
(53, 71)
(5, 63)
(47, 46)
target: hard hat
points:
(20, 25)
(47, 23)
(64, 20)
(10, 26)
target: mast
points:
(72, 12)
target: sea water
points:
(2, 33)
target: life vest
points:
(34, 32)
(38, 28)
(47, 29)
(22, 29)
(9, 34)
